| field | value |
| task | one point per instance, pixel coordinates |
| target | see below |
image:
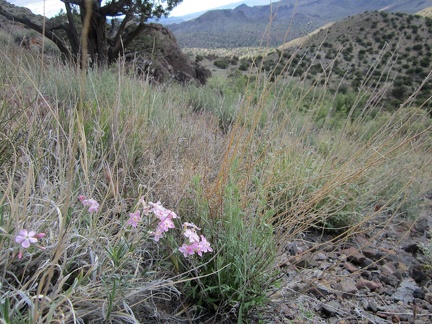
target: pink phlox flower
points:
(158, 234)
(25, 238)
(161, 212)
(91, 203)
(190, 232)
(188, 249)
(134, 219)
(158, 209)
(204, 246)
(171, 214)
(191, 235)
(166, 224)
(197, 246)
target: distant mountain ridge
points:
(179, 19)
(245, 26)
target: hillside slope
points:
(390, 51)
(245, 26)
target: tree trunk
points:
(96, 39)
(71, 32)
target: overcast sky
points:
(52, 7)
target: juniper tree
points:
(110, 26)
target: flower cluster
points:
(197, 243)
(25, 238)
(135, 218)
(165, 217)
(91, 203)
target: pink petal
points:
(23, 232)
(19, 239)
(25, 243)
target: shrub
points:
(222, 64)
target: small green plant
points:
(244, 255)
(222, 64)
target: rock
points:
(156, 54)
(305, 261)
(354, 256)
(372, 285)
(419, 293)
(361, 240)
(428, 297)
(326, 265)
(389, 291)
(292, 249)
(368, 263)
(422, 225)
(334, 320)
(372, 254)
(390, 275)
(390, 279)
(371, 275)
(331, 308)
(320, 290)
(347, 286)
(350, 267)
(372, 306)
(412, 248)
(405, 291)
(320, 256)
(388, 269)
(420, 275)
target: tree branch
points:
(76, 2)
(71, 32)
(120, 31)
(48, 34)
(122, 7)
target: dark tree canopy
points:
(104, 42)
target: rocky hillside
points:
(374, 50)
(392, 50)
(245, 26)
(427, 12)
(380, 277)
